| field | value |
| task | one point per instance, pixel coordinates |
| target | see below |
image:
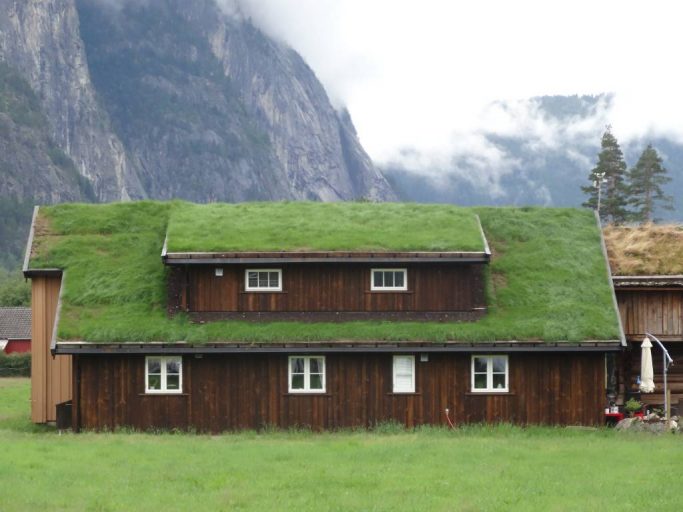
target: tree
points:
(608, 187)
(645, 186)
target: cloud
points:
(430, 84)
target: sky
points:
(425, 80)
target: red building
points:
(15, 330)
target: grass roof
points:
(307, 226)
(646, 250)
(547, 279)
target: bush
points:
(15, 365)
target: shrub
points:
(15, 365)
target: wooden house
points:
(15, 330)
(221, 317)
(647, 267)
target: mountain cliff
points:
(177, 99)
(132, 99)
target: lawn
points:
(475, 468)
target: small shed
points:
(15, 330)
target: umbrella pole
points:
(666, 360)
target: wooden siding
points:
(50, 376)
(226, 392)
(329, 287)
(659, 312)
(675, 377)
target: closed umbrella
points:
(647, 373)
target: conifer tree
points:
(645, 186)
(608, 182)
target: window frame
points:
(307, 375)
(489, 374)
(394, 373)
(248, 288)
(163, 390)
(403, 288)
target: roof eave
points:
(87, 348)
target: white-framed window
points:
(490, 374)
(164, 374)
(306, 374)
(404, 374)
(263, 280)
(382, 279)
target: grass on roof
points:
(645, 250)
(301, 226)
(547, 281)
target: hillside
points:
(532, 170)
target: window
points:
(388, 279)
(263, 280)
(307, 374)
(164, 374)
(404, 374)
(490, 373)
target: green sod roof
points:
(547, 279)
(306, 226)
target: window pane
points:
(377, 277)
(173, 366)
(499, 381)
(173, 382)
(154, 365)
(154, 382)
(263, 279)
(297, 382)
(479, 381)
(388, 279)
(297, 365)
(398, 279)
(316, 365)
(499, 364)
(253, 279)
(273, 280)
(479, 365)
(316, 381)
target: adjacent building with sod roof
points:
(647, 267)
(228, 316)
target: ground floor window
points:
(163, 374)
(307, 374)
(404, 374)
(490, 373)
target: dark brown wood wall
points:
(331, 287)
(655, 311)
(249, 391)
(632, 360)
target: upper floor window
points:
(263, 280)
(164, 374)
(490, 373)
(388, 279)
(307, 374)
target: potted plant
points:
(633, 406)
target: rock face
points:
(41, 39)
(176, 99)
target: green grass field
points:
(474, 468)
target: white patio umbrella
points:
(647, 373)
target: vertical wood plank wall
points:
(249, 391)
(332, 287)
(50, 376)
(655, 311)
